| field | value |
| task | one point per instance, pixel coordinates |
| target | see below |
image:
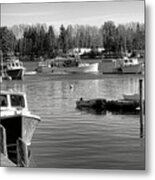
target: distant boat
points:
(131, 66)
(63, 65)
(83, 68)
(122, 66)
(43, 67)
(15, 69)
(30, 73)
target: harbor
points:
(67, 137)
(73, 85)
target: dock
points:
(119, 106)
(130, 104)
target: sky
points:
(82, 13)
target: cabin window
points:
(17, 101)
(131, 60)
(126, 61)
(21, 64)
(17, 64)
(3, 100)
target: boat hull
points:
(19, 126)
(15, 74)
(133, 69)
(114, 68)
(91, 68)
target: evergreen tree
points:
(7, 41)
(63, 39)
(50, 43)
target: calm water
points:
(69, 138)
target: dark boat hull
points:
(18, 127)
(16, 74)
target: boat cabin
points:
(130, 61)
(16, 64)
(12, 103)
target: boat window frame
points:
(17, 64)
(19, 102)
(13, 65)
(4, 101)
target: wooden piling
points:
(141, 106)
(3, 145)
(22, 154)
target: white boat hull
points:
(30, 73)
(132, 69)
(83, 68)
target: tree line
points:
(38, 40)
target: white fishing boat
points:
(124, 65)
(14, 69)
(16, 118)
(131, 66)
(63, 65)
(11, 68)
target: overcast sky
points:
(91, 13)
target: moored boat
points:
(16, 119)
(14, 69)
(63, 65)
(131, 66)
(124, 65)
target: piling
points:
(3, 145)
(22, 154)
(141, 106)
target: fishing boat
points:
(17, 120)
(13, 107)
(124, 65)
(63, 65)
(131, 66)
(14, 69)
